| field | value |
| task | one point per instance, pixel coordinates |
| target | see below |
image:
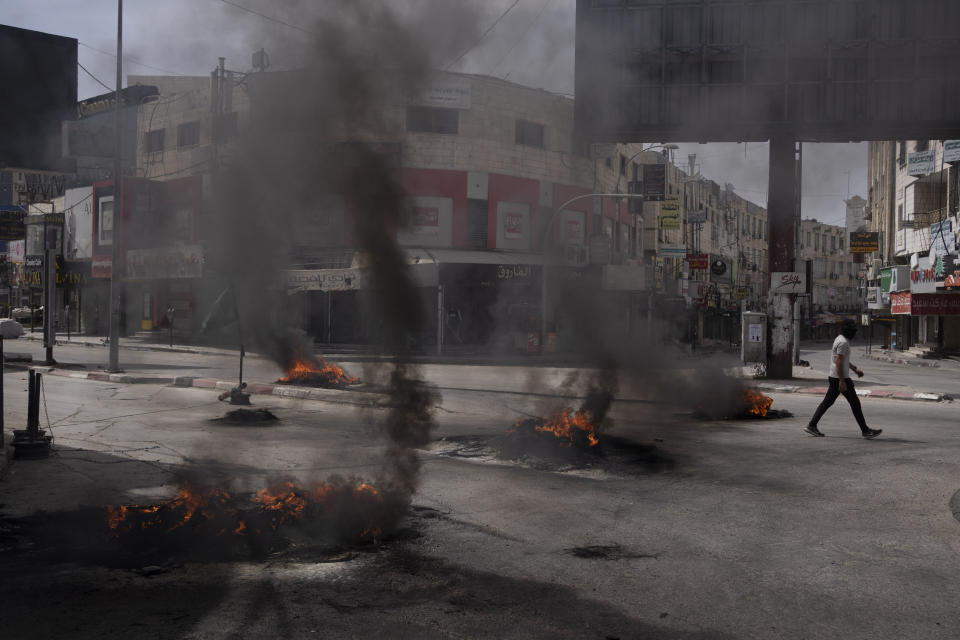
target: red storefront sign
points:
(925, 304)
(101, 266)
(426, 217)
(698, 261)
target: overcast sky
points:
(530, 42)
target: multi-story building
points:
(834, 277)
(489, 170)
(912, 205)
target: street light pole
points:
(115, 297)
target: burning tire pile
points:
(312, 371)
(334, 512)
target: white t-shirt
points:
(841, 347)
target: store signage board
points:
(864, 241)
(900, 303)
(921, 163)
(672, 250)
(923, 279)
(951, 151)
(698, 261)
(670, 213)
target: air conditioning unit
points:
(576, 255)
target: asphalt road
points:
(682, 528)
(944, 378)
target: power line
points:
(94, 77)
(131, 61)
(522, 36)
(481, 39)
(270, 18)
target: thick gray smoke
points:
(305, 162)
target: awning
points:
(466, 256)
(424, 265)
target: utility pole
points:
(781, 211)
(50, 280)
(116, 291)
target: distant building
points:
(913, 205)
(484, 163)
(856, 214)
(834, 278)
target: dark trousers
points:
(850, 394)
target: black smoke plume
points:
(306, 159)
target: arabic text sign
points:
(788, 282)
(11, 224)
(698, 261)
(670, 213)
(951, 151)
(900, 303)
(325, 279)
(864, 241)
(920, 163)
(166, 262)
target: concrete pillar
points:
(782, 213)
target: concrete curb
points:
(378, 399)
(338, 396)
(863, 393)
(913, 362)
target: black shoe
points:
(812, 430)
(869, 434)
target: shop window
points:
(433, 120)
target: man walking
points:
(840, 382)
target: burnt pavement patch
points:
(612, 454)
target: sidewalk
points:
(805, 379)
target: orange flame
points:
(283, 503)
(565, 424)
(757, 404)
(305, 371)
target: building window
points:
(922, 145)
(531, 135)
(105, 223)
(808, 239)
(909, 202)
(188, 134)
(816, 242)
(153, 141)
(477, 223)
(841, 243)
(433, 120)
(833, 243)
